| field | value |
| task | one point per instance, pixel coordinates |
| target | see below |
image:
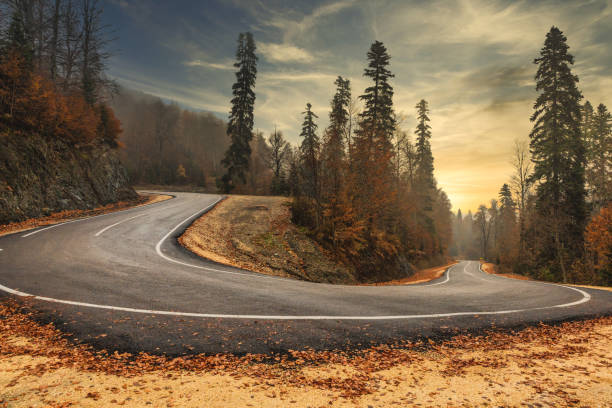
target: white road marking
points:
(93, 216)
(585, 298)
(447, 277)
(52, 226)
(117, 223)
(176, 261)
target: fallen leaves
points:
(353, 375)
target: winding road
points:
(121, 281)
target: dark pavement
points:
(120, 281)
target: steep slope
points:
(38, 176)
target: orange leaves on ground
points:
(349, 374)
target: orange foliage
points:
(30, 102)
(599, 239)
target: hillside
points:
(256, 233)
(39, 176)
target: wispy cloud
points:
(471, 59)
(228, 66)
(284, 53)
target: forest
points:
(552, 219)
(361, 187)
(52, 72)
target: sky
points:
(471, 60)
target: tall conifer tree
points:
(425, 167)
(240, 125)
(333, 155)
(309, 150)
(558, 152)
(373, 170)
(600, 158)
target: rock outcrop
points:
(38, 177)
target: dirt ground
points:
(58, 217)
(565, 365)
(256, 233)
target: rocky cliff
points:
(38, 176)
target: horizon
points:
(473, 63)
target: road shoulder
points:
(144, 198)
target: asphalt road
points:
(120, 281)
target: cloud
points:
(228, 66)
(284, 53)
(293, 28)
(472, 60)
(296, 76)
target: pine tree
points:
(507, 229)
(309, 150)
(240, 125)
(558, 152)
(600, 158)
(425, 185)
(19, 39)
(505, 198)
(378, 118)
(424, 157)
(333, 163)
(372, 177)
(332, 152)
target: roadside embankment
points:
(63, 216)
(492, 269)
(41, 175)
(256, 233)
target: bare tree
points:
(353, 117)
(521, 185)
(481, 220)
(54, 38)
(94, 52)
(277, 152)
(69, 52)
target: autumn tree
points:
(558, 153)
(599, 244)
(240, 125)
